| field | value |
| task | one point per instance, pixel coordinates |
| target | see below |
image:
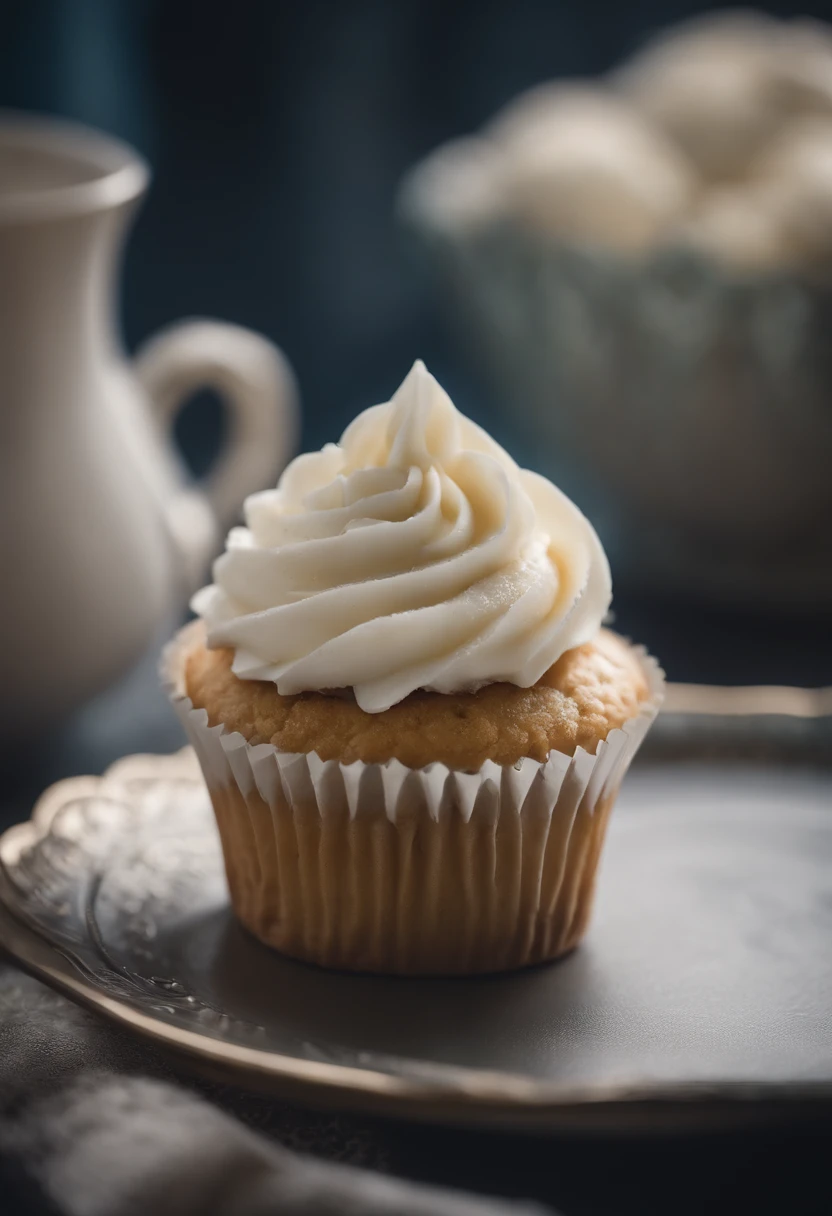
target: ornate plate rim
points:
(458, 1095)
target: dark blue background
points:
(278, 131)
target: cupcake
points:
(582, 165)
(411, 723)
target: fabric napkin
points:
(93, 1123)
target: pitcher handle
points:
(253, 378)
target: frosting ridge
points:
(413, 554)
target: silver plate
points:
(704, 988)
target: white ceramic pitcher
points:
(102, 534)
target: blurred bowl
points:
(686, 407)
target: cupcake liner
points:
(378, 867)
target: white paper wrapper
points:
(378, 867)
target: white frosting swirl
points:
(414, 554)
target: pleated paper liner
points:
(382, 868)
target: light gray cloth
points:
(93, 1119)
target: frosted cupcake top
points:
(413, 554)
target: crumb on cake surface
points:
(587, 693)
